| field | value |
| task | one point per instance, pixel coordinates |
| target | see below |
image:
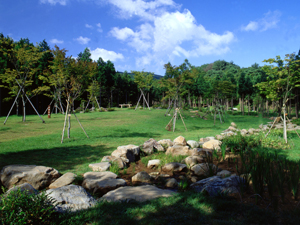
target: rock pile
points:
(108, 186)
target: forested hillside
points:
(42, 75)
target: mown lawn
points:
(36, 143)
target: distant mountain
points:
(155, 76)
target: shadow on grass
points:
(125, 133)
(183, 208)
(60, 158)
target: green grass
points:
(33, 142)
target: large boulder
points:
(102, 166)
(138, 193)
(151, 145)
(64, 180)
(204, 169)
(101, 182)
(216, 185)
(180, 141)
(178, 150)
(174, 167)
(212, 144)
(39, 177)
(129, 153)
(71, 197)
(165, 143)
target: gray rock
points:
(71, 197)
(150, 145)
(138, 193)
(180, 141)
(39, 177)
(64, 180)
(153, 163)
(206, 139)
(233, 125)
(178, 150)
(107, 158)
(215, 185)
(23, 187)
(165, 143)
(103, 166)
(119, 161)
(192, 160)
(101, 182)
(141, 177)
(224, 173)
(129, 152)
(212, 144)
(204, 169)
(174, 166)
(193, 144)
(171, 183)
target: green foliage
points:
(21, 207)
(114, 167)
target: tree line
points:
(29, 71)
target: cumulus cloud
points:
(269, 21)
(167, 35)
(53, 2)
(106, 55)
(88, 26)
(83, 40)
(56, 41)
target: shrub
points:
(21, 207)
(110, 109)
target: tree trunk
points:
(69, 122)
(284, 125)
(297, 103)
(190, 103)
(242, 102)
(290, 108)
(24, 110)
(267, 108)
(248, 105)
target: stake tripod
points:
(284, 125)
(142, 94)
(176, 112)
(22, 89)
(68, 115)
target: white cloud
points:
(144, 9)
(56, 41)
(99, 29)
(53, 2)
(105, 55)
(269, 21)
(252, 26)
(169, 34)
(83, 40)
(88, 26)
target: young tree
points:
(24, 58)
(143, 81)
(281, 80)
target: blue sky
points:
(146, 34)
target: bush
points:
(110, 109)
(21, 207)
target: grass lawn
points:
(34, 142)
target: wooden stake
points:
(62, 137)
(80, 125)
